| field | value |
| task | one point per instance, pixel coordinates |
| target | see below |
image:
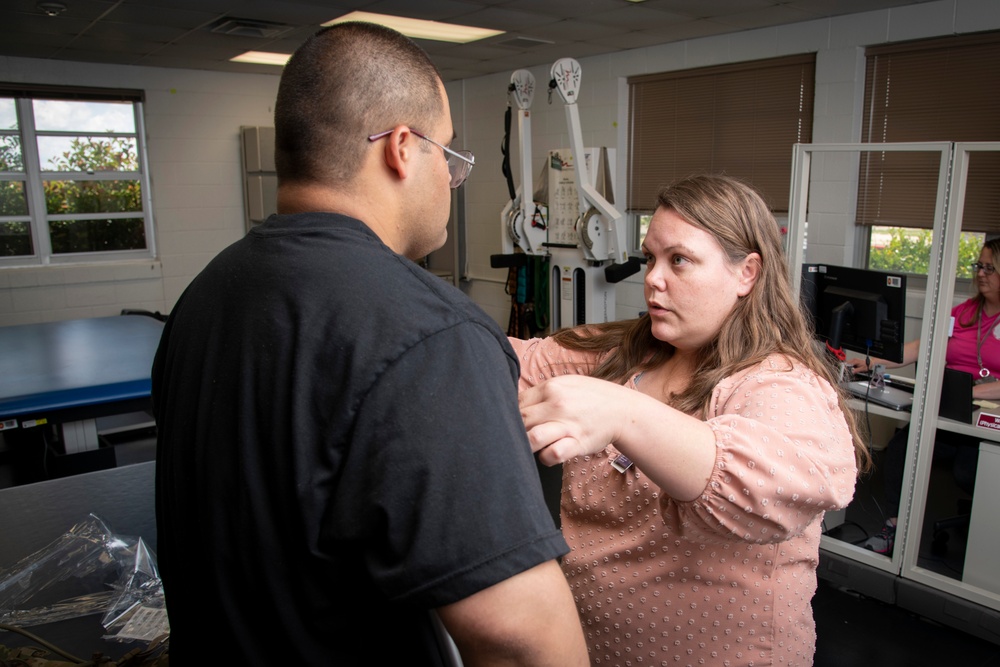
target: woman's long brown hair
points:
(767, 321)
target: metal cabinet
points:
(260, 181)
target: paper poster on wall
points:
(564, 201)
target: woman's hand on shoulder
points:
(573, 415)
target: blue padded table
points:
(57, 374)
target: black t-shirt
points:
(339, 450)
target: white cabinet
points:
(983, 549)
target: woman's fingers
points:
(562, 418)
(556, 453)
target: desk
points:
(33, 516)
(861, 406)
(56, 378)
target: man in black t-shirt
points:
(340, 451)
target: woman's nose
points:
(654, 278)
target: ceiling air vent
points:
(250, 28)
(523, 43)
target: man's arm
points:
(527, 620)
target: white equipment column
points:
(586, 269)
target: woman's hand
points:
(859, 365)
(573, 415)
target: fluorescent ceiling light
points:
(420, 29)
(262, 58)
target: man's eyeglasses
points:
(988, 269)
(460, 163)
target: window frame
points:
(34, 176)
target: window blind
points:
(80, 93)
(741, 119)
(933, 90)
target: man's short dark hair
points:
(345, 83)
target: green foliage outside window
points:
(91, 155)
(10, 153)
(67, 197)
(909, 250)
(15, 237)
(12, 200)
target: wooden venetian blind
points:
(741, 119)
(77, 93)
(933, 90)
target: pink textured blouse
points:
(727, 578)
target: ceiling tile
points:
(574, 30)
(501, 18)
(431, 10)
(568, 8)
(113, 31)
(176, 18)
(767, 16)
(639, 16)
(708, 8)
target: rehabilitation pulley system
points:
(582, 264)
(600, 226)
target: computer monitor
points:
(858, 309)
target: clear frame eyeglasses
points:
(988, 269)
(460, 163)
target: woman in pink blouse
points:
(695, 534)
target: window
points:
(741, 119)
(72, 183)
(930, 90)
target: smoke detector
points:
(51, 8)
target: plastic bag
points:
(88, 570)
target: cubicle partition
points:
(824, 187)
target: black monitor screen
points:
(856, 309)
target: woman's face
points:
(690, 286)
(988, 285)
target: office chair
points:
(148, 313)
(964, 472)
(939, 544)
(449, 652)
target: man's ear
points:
(749, 273)
(399, 146)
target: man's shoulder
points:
(437, 307)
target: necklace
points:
(980, 339)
